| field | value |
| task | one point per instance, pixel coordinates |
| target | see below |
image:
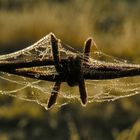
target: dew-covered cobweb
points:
(39, 91)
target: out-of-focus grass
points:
(114, 24)
(131, 133)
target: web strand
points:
(39, 91)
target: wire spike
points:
(82, 86)
(54, 94)
(87, 47)
(55, 53)
(83, 92)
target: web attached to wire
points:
(39, 91)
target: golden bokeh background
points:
(114, 25)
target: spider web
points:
(39, 91)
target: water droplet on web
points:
(46, 108)
(37, 75)
(33, 92)
(15, 57)
(136, 92)
(8, 74)
(24, 78)
(1, 92)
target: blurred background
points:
(114, 25)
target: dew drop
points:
(1, 92)
(125, 61)
(46, 108)
(136, 92)
(8, 74)
(15, 57)
(37, 75)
